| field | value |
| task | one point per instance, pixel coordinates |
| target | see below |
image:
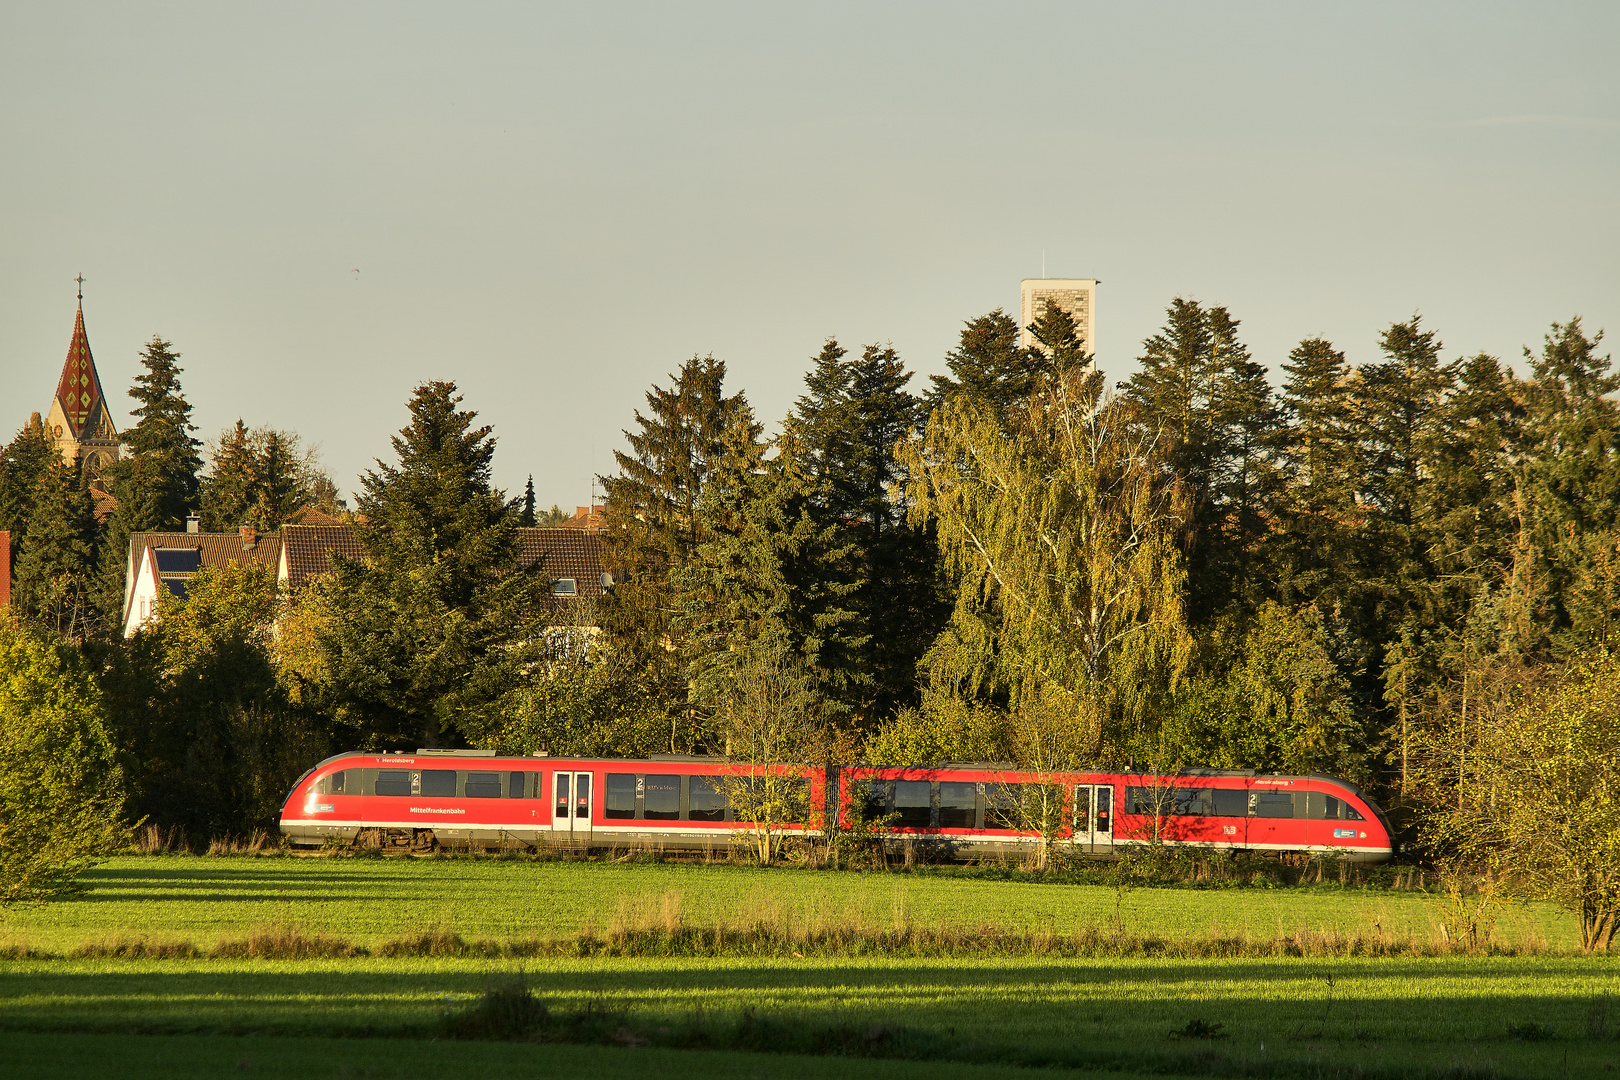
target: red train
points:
(473, 798)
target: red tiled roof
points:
(310, 549)
(308, 515)
(565, 553)
(589, 518)
(103, 504)
(216, 550)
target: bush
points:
(60, 786)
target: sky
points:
(323, 205)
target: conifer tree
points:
(23, 464)
(156, 484)
(987, 365)
(436, 626)
(849, 427)
(1198, 386)
(822, 419)
(1571, 483)
(230, 489)
(772, 581)
(1467, 505)
(653, 519)
(56, 572)
(1321, 463)
(526, 518)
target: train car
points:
(975, 810)
(473, 798)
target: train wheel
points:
(423, 842)
(369, 839)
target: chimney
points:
(192, 523)
(250, 537)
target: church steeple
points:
(79, 419)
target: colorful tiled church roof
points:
(79, 389)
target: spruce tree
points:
(23, 464)
(437, 624)
(1321, 465)
(156, 484)
(1204, 395)
(848, 429)
(526, 517)
(773, 580)
(1173, 391)
(653, 519)
(280, 490)
(230, 489)
(987, 365)
(1571, 484)
(56, 572)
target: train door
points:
(1094, 818)
(573, 797)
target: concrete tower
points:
(1077, 296)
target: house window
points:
(563, 586)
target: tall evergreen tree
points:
(56, 572)
(526, 518)
(1201, 390)
(436, 626)
(772, 581)
(1571, 487)
(23, 464)
(653, 519)
(987, 365)
(1321, 464)
(230, 489)
(850, 426)
(156, 484)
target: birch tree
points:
(1061, 536)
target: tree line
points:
(1352, 572)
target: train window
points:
(1193, 802)
(393, 782)
(1153, 802)
(1274, 804)
(957, 803)
(913, 802)
(1323, 806)
(706, 799)
(1231, 802)
(873, 798)
(562, 793)
(1003, 806)
(621, 795)
(337, 783)
(439, 783)
(519, 785)
(483, 785)
(663, 798)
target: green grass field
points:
(202, 901)
(1448, 1016)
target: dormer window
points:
(563, 586)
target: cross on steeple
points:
(80, 280)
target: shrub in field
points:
(60, 787)
(1541, 807)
